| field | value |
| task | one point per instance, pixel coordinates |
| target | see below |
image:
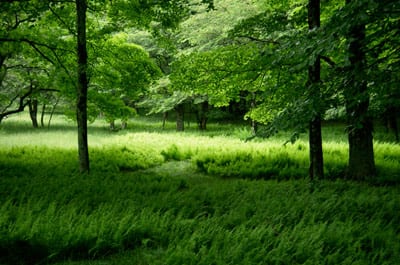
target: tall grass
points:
(187, 221)
(158, 197)
(220, 151)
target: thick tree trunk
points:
(33, 110)
(82, 86)
(361, 151)
(180, 112)
(314, 71)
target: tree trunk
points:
(124, 124)
(165, 117)
(254, 124)
(202, 116)
(52, 112)
(33, 109)
(180, 112)
(82, 87)
(314, 71)
(3, 71)
(361, 151)
(112, 125)
(42, 115)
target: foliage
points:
(147, 198)
(121, 76)
(195, 220)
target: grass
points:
(159, 197)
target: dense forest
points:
(293, 158)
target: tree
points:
(19, 69)
(122, 73)
(82, 86)
(314, 72)
(361, 152)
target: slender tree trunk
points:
(254, 124)
(180, 112)
(124, 124)
(52, 112)
(42, 115)
(202, 116)
(165, 117)
(112, 125)
(33, 109)
(314, 71)
(361, 151)
(3, 71)
(82, 87)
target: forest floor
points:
(160, 197)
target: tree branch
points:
(53, 50)
(71, 31)
(328, 61)
(21, 106)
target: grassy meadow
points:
(159, 197)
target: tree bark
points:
(361, 152)
(82, 86)
(33, 110)
(180, 112)
(316, 170)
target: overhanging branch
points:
(21, 105)
(35, 45)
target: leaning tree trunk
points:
(82, 86)
(180, 112)
(314, 71)
(361, 151)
